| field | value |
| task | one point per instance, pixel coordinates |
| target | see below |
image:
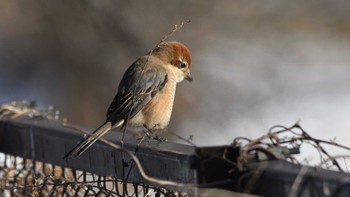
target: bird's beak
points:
(189, 77)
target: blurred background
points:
(255, 63)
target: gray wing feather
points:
(139, 85)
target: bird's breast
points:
(158, 111)
(156, 114)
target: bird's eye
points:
(182, 65)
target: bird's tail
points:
(87, 142)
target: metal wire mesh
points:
(25, 177)
(249, 166)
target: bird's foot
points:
(152, 134)
(159, 138)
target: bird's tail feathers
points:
(87, 142)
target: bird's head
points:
(178, 56)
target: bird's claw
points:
(152, 136)
(156, 138)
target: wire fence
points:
(25, 177)
(33, 143)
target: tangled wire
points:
(282, 143)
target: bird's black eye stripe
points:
(182, 65)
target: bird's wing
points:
(140, 83)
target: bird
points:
(146, 92)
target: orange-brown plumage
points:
(170, 52)
(146, 92)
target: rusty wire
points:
(25, 177)
(282, 143)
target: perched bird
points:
(146, 92)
